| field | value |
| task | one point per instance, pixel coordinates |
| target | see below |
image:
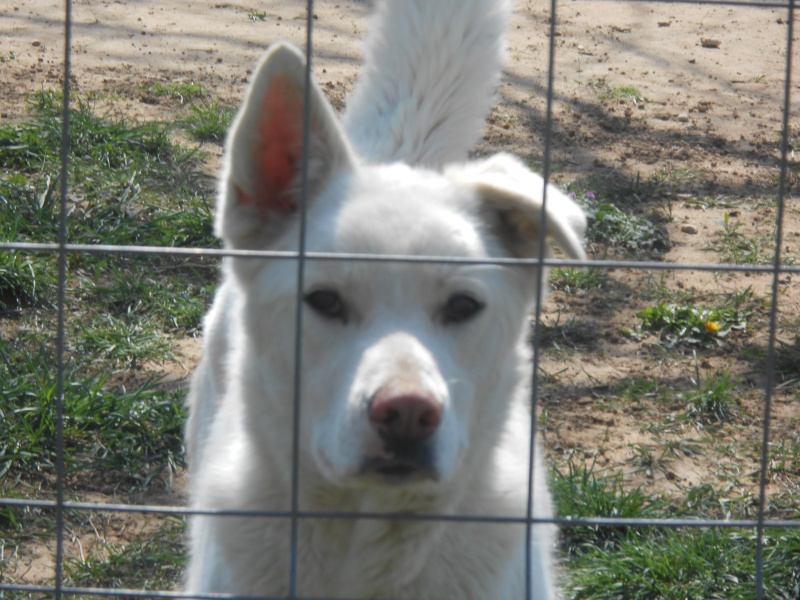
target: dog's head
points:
(407, 367)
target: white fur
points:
(428, 81)
(394, 334)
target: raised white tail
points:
(429, 78)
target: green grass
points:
(570, 279)
(119, 341)
(209, 122)
(686, 563)
(184, 92)
(25, 281)
(135, 431)
(105, 152)
(129, 185)
(578, 493)
(636, 389)
(787, 359)
(641, 563)
(152, 560)
(169, 295)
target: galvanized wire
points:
(773, 313)
(537, 324)
(63, 249)
(301, 264)
(61, 301)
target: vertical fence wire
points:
(301, 265)
(63, 249)
(537, 311)
(61, 301)
(773, 314)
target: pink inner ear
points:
(278, 149)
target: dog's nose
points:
(404, 417)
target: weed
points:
(171, 295)
(706, 202)
(643, 455)
(606, 91)
(690, 324)
(735, 246)
(713, 400)
(632, 234)
(571, 334)
(792, 142)
(131, 185)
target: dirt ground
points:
(701, 135)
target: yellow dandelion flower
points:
(712, 326)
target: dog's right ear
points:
(512, 199)
(261, 183)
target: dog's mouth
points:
(400, 469)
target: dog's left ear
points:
(261, 183)
(512, 198)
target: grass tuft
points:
(209, 122)
(714, 400)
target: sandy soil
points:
(708, 107)
(703, 131)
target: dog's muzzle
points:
(405, 419)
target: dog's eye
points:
(460, 308)
(327, 303)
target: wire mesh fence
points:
(778, 268)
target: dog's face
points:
(400, 360)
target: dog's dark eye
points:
(327, 303)
(460, 308)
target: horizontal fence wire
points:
(63, 249)
(436, 517)
(600, 264)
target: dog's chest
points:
(376, 559)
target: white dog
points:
(414, 377)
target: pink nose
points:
(409, 416)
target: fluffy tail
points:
(431, 68)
